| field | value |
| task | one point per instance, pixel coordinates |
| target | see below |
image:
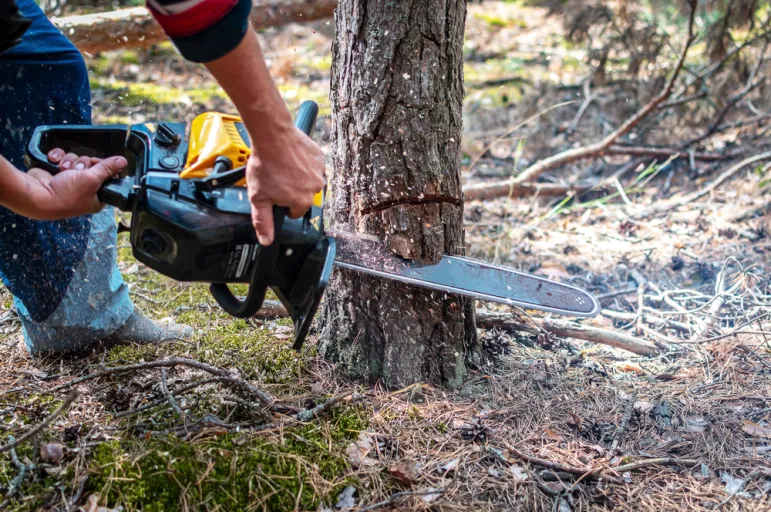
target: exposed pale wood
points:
(136, 27)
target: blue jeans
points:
(63, 274)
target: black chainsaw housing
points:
(196, 233)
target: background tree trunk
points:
(397, 98)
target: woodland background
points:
(656, 202)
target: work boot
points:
(140, 329)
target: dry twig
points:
(665, 206)
(263, 397)
(623, 341)
(584, 472)
(624, 421)
(43, 424)
(18, 480)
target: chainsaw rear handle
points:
(97, 142)
(260, 279)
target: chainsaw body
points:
(191, 216)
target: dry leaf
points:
(576, 419)
(346, 500)
(732, 485)
(357, 452)
(630, 367)
(52, 452)
(756, 430)
(493, 472)
(404, 472)
(553, 435)
(431, 497)
(34, 372)
(92, 505)
(643, 407)
(695, 424)
(553, 269)
(450, 466)
(518, 473)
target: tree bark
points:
(136, 28)
(397, 96)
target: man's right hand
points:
(287, 170)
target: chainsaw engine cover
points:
(193, 234)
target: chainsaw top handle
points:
(260, 279)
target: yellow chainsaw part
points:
(212, 135)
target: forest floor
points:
(548, 423)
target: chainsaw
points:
(191, 221)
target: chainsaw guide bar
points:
(463, 276)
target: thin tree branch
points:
(599, 148)
(40, 426)
(263, 397)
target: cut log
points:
(136, 27)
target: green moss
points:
(99, 66)
(129, 57)
(232, 472)
(497, 21)
(295, 94)
(134, 94)
(257, 352)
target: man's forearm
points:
(218, 34)
(15, 189)
(245, 77)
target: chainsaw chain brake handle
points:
(268, 257)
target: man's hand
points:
(72, 192)
(286, 167)
(287, 170)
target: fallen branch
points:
(315, 412)
(665, 153)
(162, 401)
(557, 466)
(619, 434)
(482, 191)
(600, 148)
(18, 480)
(170, 397)
(718, 303)
(136, 27)
(40, 426)
(668, 461)
(486, 320)
(665, 206)
(733, 100)
(263, 397)
(647, 317)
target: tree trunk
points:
(397, 98)
(136, 28)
